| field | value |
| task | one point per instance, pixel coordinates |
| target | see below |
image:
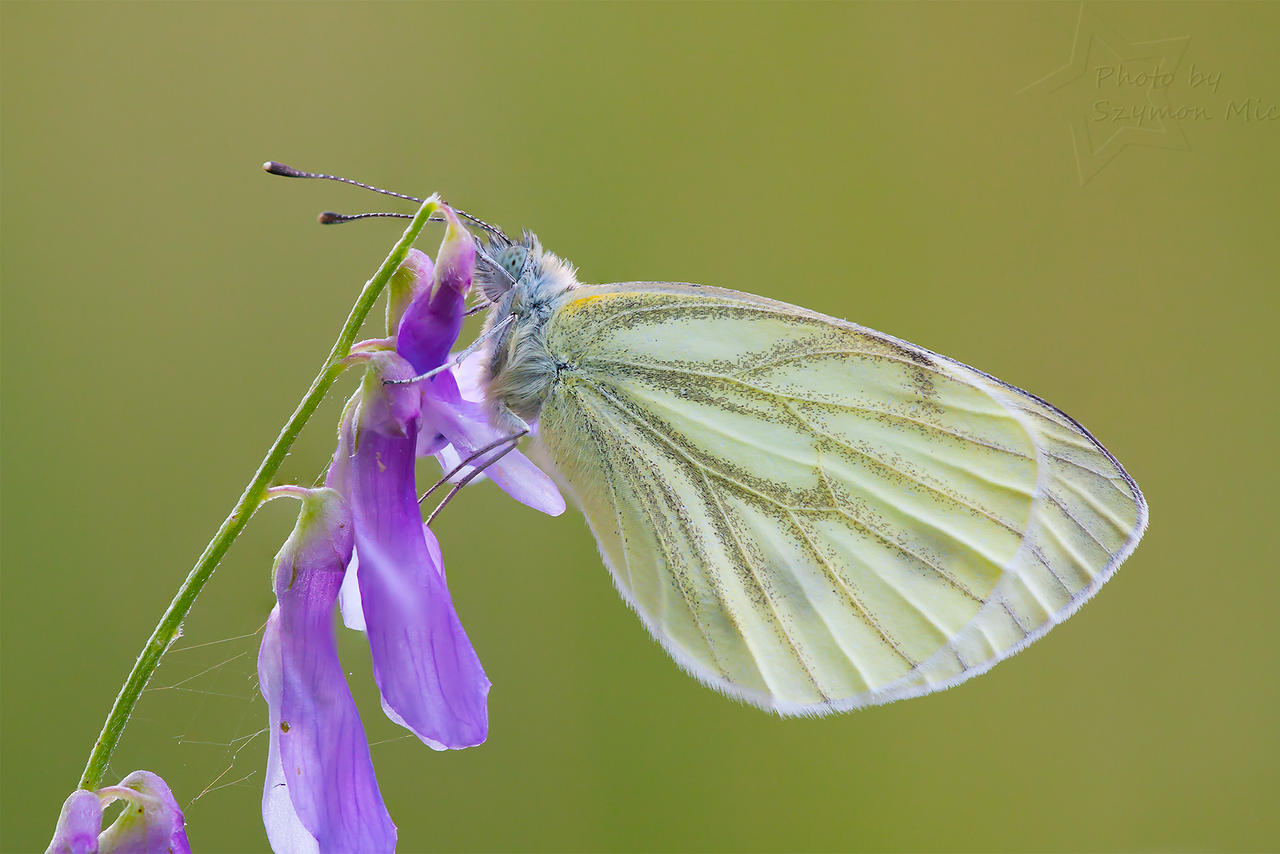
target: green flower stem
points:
(167, 629)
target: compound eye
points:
(512, 260)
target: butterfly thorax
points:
(525, 284)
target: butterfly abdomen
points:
(523, 376)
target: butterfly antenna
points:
(287, 171)
(274, 167)
(332, 218)
(492, 229)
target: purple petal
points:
(431, 323)
(449, 459)
(339, 479)
(426, 669)
(151, 822)
(472, 375)
(427, 333)
(349, 595)
(433, 549)
(284, 829)
(431, 443)
(78, 825)
(339, 476)
(411, 278)
(320, 793)
(467, 429)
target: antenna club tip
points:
(329, 218)
(277, 168)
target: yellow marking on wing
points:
(582, 302)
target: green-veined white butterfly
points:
(808, 515)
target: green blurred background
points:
(165, 304)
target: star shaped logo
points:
(1116, 92)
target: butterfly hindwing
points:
(813, 516)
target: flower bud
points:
(411, 278)
(151, 822)
(431, 323)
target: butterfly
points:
(808, 515)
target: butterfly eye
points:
(512, 260)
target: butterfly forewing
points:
(813, 516)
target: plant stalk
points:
(167, 629)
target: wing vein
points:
(686, 593)
(874, 531)
(861, 523)
(759, 585)
(856, 602)
(1054, 499)
(1070, 550)
(1017, 622)
(1058, 578)
(954, 499)
(625, 410)
(1098, 507)
(871, 354)
(815, 402)
(1108, 478)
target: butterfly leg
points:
(502, 446)
(453, 472)
(461, 357)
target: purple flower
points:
(428, 673)
(413, 274)
(395, 591)
(453, 426)
(151, 822)
(362, 540)
(320, 793)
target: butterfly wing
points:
(813, 516)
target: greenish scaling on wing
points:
(808, 515)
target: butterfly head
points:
(505, 265)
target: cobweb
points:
(201, 723)
(222, 708)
